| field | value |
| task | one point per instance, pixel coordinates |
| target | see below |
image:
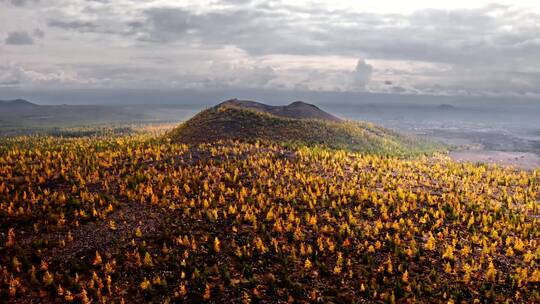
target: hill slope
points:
(249, 121)
(135, 219)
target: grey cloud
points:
(19, 2)
(460, 36)
(84, 26)
(256, 31)
(19, 38)
(236, 2)
(38, 33)
(108, 25)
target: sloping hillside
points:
(136, 219)
(251, 122)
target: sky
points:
(461, 48)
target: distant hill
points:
(297, 123)
(17, 103)
(20, 116)
(445, 106)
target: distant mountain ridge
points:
(297, 109)
(17, 102)
(446, 106)
(20, 116)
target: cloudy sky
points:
(458, 47)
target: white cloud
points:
(13, 74)
(361, 74)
